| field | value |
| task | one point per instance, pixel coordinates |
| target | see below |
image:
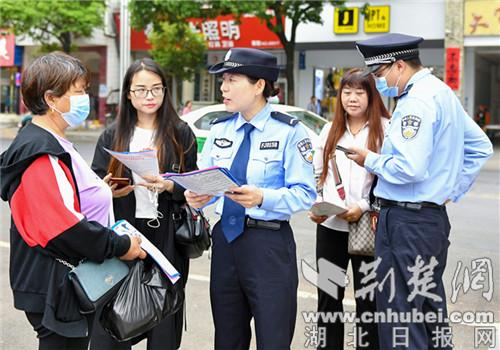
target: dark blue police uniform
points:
(254, 269)
(432, 153)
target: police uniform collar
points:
(414, 78)
(258, 120)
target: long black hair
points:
(166, 136)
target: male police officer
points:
(432, 153)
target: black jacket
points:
(124, 207)
(168, 203)
(44, 227)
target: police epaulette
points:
(284, 118)
(223, 118)
(407, 90)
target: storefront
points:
(327, 51)
(482, 58)
(11, 58)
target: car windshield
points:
(310, 120)
(204, 122)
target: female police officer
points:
(432, 153)
(254, 270)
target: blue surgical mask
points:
(79, 110)
(384, 89)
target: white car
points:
(199, 120)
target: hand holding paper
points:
(328, 209)
(214, 181)
(123, 227)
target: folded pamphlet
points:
(327, 209)
(123, 227)
(211, 181)
(142, 163)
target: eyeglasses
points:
(157, 91)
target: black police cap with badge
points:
(251, 62)
(387, 49)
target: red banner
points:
(452, 76)
(7, 48)
(225, 32)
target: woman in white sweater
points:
(359, 121)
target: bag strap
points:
(372, 196)
(65, 263)
(338, 180)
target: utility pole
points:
(124, 40)
(454, 39)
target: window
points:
(204, 122)
(309, 120)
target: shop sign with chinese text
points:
(225, 32)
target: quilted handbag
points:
(361, 239)
(94, 283)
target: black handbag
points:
(144, 299)
(192, 231)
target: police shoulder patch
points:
(305, 150)
(223, 118)
(284, 118)
(410, 124)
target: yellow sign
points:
(346, 21)
(482, 17)
(377, 19)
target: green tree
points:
(156, 11)
(49, 21)
(298, 12)
(179, 50)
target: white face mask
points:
(384, 89)
(79, 109)
(153, 198)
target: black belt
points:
(269, 225)
(408, 205)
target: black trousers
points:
(48, 340)
(332, 246)
(165, 336)
(402, 237)
(254, 276)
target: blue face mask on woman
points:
(384, 89)
(79, 110)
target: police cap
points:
(388, 48)
(252, 62)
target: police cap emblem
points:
(410, 124)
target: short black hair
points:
(55, 72)
(414, 62)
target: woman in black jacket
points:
(59, 207)
(147, 120)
